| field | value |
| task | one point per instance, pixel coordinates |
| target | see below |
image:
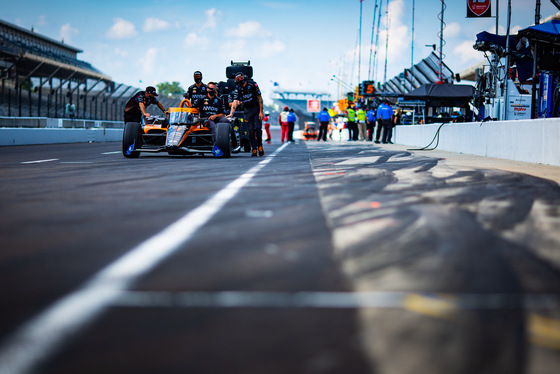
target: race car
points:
(185, 133)
(310, 131)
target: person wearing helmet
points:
(197, 90)
(137, 104)
(249, 95)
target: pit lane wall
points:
(42, 130)
(535, 141)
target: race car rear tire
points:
(223, 138)
(131, 138)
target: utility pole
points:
(360, 44)
(508, 61)
(412, 45)
(387, 45)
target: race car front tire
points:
(223, 138)
(131, 139)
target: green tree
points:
(170, 89)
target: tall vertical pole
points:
(534, 48)
(412, 44)
(497, 16)
(377, 40)
(387, 45)
(440, 73)
(371, 43)
(506, 99)
(360, 44)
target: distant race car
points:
(185, 133)
(310, 131)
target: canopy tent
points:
(547, 37)
(443, 95)
(521, 56)
(545, 32)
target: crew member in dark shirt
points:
(249, 95)
(197, 90)
(137, 104)
(211, 107)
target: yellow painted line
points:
(433, 306)
(544, 331)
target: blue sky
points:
(298, 44)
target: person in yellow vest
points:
(351, 125)
(361, 115)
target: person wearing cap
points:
(283, 121)
(197, 90)
(249, 95)
(137, 104)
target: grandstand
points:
(40, 76)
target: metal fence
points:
(69, 102)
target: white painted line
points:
(43, 335)
(76, 162)
(111, 153)
(40, 161)
(338, 300)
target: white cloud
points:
(42, 20)
(152, 24)
(465, 52)
(211, 18)
(121, 29)
(271, 48)
(193, 40)
(149, 60)
(235, 50)
(121, 53)
(452, 30)
(67, 32)
(249, 29)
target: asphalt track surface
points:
(337, 257)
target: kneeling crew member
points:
(137, 104)
(211, 107)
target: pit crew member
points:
(249, 95)
(211, 107)
(197, 90)
(137, 104)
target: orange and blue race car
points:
(184, 133)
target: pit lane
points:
(263, 286)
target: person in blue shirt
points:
(385, 115)
(324, 118)
(370, 122)
(292, 118)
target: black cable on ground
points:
(436, 136)
(426, 148)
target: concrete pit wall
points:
(536, 141)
